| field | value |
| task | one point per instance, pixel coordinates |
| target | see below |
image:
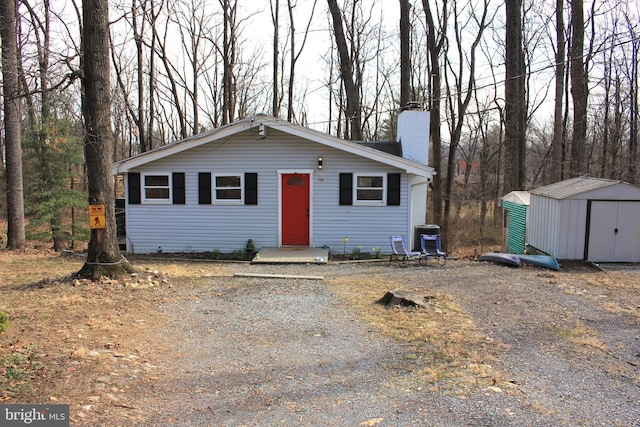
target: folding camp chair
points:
(430, 246)
(399, 250)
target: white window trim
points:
(144, 187)
(214, 198)
(382, 202)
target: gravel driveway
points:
(287, 352)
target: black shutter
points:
(204, 188)
(346, 188)
(250, 188)
(134, 188)
(393, 189)
(177, 184)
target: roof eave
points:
(409, 166)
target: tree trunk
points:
(633, 111)
(103, 257)
(435, 46)
(352, 110)
(137, 36)
(558, 120)
(275, 18)
(514, 98)
(11, 90)
(578, 88)
(405, 54)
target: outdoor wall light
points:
(320, 162)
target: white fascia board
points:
(125, 165)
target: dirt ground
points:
(102, 346)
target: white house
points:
(279, 184)
(586, 219)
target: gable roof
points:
(258, 125)
(518, 198)
(574, 186)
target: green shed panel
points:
(517, 226)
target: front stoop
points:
(292, 255)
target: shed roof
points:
(518, 197)
(573, 187)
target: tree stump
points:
(404, 298)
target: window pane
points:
(231, 194)
(370, 181)
(228, 181)
(157, 193)
(369, 194)
(156, 180)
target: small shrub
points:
(356, 252)
(376, 253)
(215, 253)
(250, 247)
(240, 253)
(4, 321)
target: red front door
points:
(295, 209)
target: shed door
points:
(614, 232)
(295, 209)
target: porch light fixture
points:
(320, 162)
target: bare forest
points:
(522, 93)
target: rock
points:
(80, 353)
(405, 299)
(92, 354)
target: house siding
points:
(198, 228)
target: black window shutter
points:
(346, 188)
(250, 188)
(393, 189)
(177, 181)
(134, 188)
(204, 188)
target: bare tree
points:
(229, 51)
(514, 98)
(578, 88)
(634, 87)
(558, 143)
(275, 18)
(194, 23)
(460, 88)
(405, 53)
(295, 56)
(436, 44)
(353, 109)
(11, 94)
(103, 255)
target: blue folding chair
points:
(399, 250)
(430, 246)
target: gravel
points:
(287, 352)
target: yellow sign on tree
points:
(97, 217)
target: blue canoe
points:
(545, 261)
(506, 259)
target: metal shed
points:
(515, 221)
(587, 219)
